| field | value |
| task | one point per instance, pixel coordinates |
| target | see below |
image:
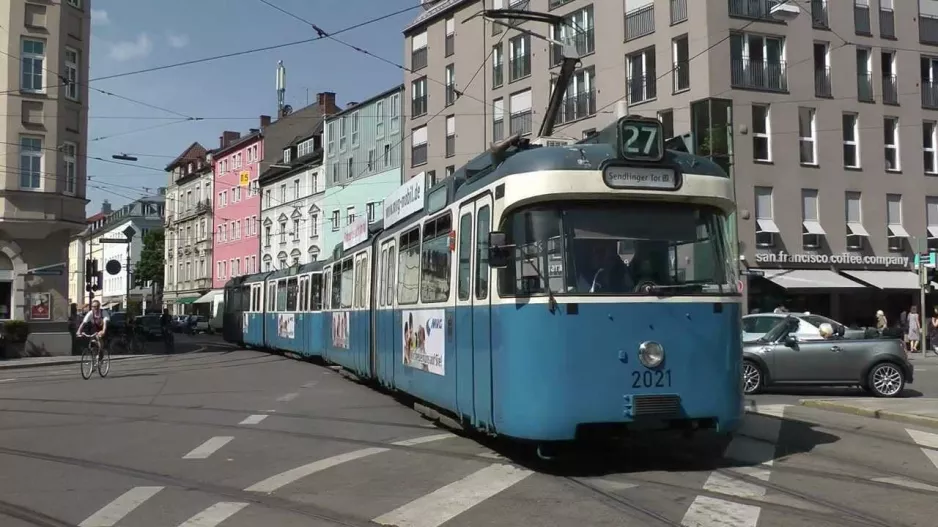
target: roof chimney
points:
(326, 102)
(227, 138)
(105, 207)
(265, 121)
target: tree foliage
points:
(150, 267)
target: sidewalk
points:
(919, 411)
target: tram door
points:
(473, 313)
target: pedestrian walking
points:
(915, 330)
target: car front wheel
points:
(753, 379)
(886, 380)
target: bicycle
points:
(131, 342)
(95, 356)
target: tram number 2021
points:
(651, 379)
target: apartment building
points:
(291, 201)
(42, 193)
(188, 236)
(831, 105)
(363, 160)
(118, 290)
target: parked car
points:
(149, 325)
(754, 326)
(878, 365)
(200, 324)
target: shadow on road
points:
(831, 391)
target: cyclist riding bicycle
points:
(97, 321)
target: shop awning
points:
(187, 300)
(209, 297)
(810, 279)
(905, 280)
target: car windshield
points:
(779, 330)
(619, 248)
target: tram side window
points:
(483, 225)
(435, 262)
(465, 256)
(347, 280)
(291, 295)
(391, 281)
(302, 295)
(382, 293)
(315, 300)
(409, 268)
(336, 286)
(359, 281)
(271, 296)
(281, 295)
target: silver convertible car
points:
(779, 357)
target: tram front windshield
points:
(619, 248)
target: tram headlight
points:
(651, 354)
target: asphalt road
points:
(241, 438)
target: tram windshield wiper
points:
(551, 301)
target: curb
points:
(885, 415)
(68, 362)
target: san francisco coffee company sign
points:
(787, 259)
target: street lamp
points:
(124, 157)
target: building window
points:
(430, 179)
(822, 69)
(896, 232)
(577, 28)
(758, 62)
(418, 53)
(855, 230)
(349, 215)
(343, 133)
(498, 63)
(355, 129)
(931, 211)
(807, 135)
(351, 169)
(450, 42)
(761, 133)
(890, 82)
(418, 153)
(70, 160)
(520, 108)
(929, 142)
(864, 75)
(641, 80)
(519, 64)
(33, 59)
(370, 210)
(419, 97)
(283, 232)
(451, 136)
(335, 220)
(396, 112)
(296, 188)
(891, 143)
(450, 170)
(851, 140)
(71, 74)
(379, 120)
(580, 97)
(498, 119)
(296, 230)
(450, 84)
(766, 229)
(811, 230)
(335, 172)
(680, 56)
(313, 225)
(75, 3)
(30, 162)
(330, 144)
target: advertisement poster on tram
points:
(286, 328)
(425, 340)
(340, 329)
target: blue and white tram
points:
(549, 293)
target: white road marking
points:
(278, 481)
(310, 384)
(214, 515)
(8, 380)
(450, 501)
(712, 512)
(208, 448)
(253, 419)
(928, 442)
(908, 483)
(287, 398)
(758, 455)
(113, 512)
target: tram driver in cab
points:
(601, 269)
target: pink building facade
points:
(237, 207)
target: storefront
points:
(847, 292)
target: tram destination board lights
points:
(640, 139)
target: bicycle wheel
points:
(104, 365)
(87, 361)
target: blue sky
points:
(229, 93)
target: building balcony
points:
(678, 11)
(640, 22)
(890, 89)
(642, 88)
(822, 82)
(681, 76)
(520, 123)
(752, 9)
(577, 107)
(759, 75)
